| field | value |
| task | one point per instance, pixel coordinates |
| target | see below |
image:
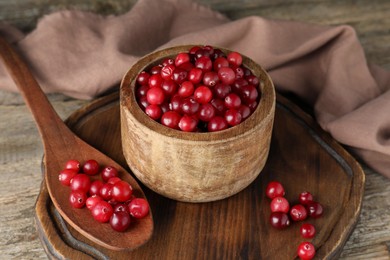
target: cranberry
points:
(169, 87)
(298, 212)
(113, 180)
(218, 54)
(206, 112)
(143, 102)
(238, 84)
(195, 75)
(194, 49)
(233, 117)
(210, 78)
(120, 221)
(141, 91)
(108, 172)
(102, 211)
(155, 81)
(167, 61)
(106, 191)
(238, 71)
(66, 176)
(190, 106)
(95, 187)
(167, 72)
(143, 78)
(153, 111)
(186, 89)
(202, 53)
(121, 191)
(305, 197)
(179, 75)
(92, 201)
(274, 189)
(175, 104)
(73, 165)
(306, 251)
(188, 66)
(279, 204)
(203, 95)
(91, 167)
(222, 90)
(156, 70)
(249, 93)
(139, 208)
(227, 75)
(187, 123)
(219, 105)
(80, 182)
(252, 106)
(245, 111)
(204, 63)
(121, 207)
(234, 58)
(220, 62)
(171, 119)
(314, 209)
(217, 123)
(182, 58)
(232, 101)
(307, 230)
(77, 199)
(252, 79)
(279, 220)
(155, 96)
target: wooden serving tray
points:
(302, 158)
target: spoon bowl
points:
(60, 145)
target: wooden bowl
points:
(195, 167)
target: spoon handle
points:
(50, 125)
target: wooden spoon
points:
(60, 145)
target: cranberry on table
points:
(298, 212)
(279, 220)
(307, 230)
(314, 209)
(280, 204)
(274, 189)
(306, 251)
(305, 197)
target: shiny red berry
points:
(121, 191)
(91, 167)
(120, 221)
(102, 211)
(280, 204)
(139, 208)
(306, 251)
(66, 176)
(274, 189)
(314, 209)
(305, 197)
(279, 220)
(298, 212)
(73, 165)
(80, 182)
(307, 230)
(77, 199)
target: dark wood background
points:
(21, 149)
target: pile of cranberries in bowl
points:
(108, 198)
(202, 90)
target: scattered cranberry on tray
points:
(110, 200)
(202, 90)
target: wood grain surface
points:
(21, 150)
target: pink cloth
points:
(84, 54)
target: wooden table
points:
(21, 148)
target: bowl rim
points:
(258, 119)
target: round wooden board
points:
(302, 158)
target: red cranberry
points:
(238, 71)
(121, 191)
(91, 167)
(175, 104)
(306, 251)
(102, 211)
(314, 209)
(204, 63)
(80, 182)
(141, 91)
(219, 106)
(222, 90)
(305, 197)
(179, 75)
(139, 208)
(252, 79)
(77, 199)
(143, 102)
(66, 176)
(298, 212)
(244, 111)
(106, 191)
(167, 61)
(92, 201)
(249, 93)
(155, 96)
(194, 49)
(217, 123)
(182, 58)
(95, 187)
(169, 87)
(113, 180)
(186, 89)
(195, 75)
(120, 221)
(155, 81)
(108, 172)
(279, 204)
(274, 189)
(156, 70)
(238, 84)
(143, 78)
(153, 111)
(167, 71)
(206, 112)
(279, 220)
(187, 123)
(227, 75)
(73, 165)
(307, 230)
(232, 101)
(234, 58)
(220, 62)
(203, 95)
(233, 117)
(171, 119)
(189, 106)
(210, 78)
(121, 207)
